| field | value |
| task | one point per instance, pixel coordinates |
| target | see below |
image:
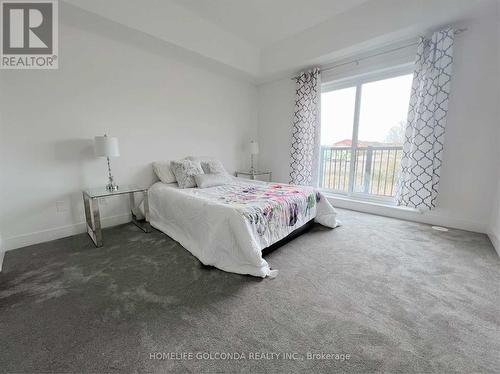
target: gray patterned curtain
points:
(304, 151)
(424, 136)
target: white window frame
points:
(357, 82)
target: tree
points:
(396, 134)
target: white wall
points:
(494, 224)
(494, 227)
(470, 159)
(164, 101)
(161, 104)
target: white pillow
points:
(211, 180)
(213, 166)
(164, 172)
(184, 171)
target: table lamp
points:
(254, 150)
(107, 147)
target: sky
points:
(384, 104)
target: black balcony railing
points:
(368, 170)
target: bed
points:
(229, 225)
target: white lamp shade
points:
(254, 148)
(106, 146)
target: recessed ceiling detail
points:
(263, 22)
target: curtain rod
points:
(357, 60)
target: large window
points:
(362, 129)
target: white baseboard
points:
(495, 241)
(361, 206)
(59, 232)
(408, 214)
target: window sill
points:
(351, 202)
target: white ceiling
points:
(263, 22)
(262, 40)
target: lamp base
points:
(252, 168)
(111, 187)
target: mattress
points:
(227, 226)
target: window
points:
(362, 128)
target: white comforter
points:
(228, 226)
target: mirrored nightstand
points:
(255, 174)
(93, 217)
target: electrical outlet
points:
(61, 206)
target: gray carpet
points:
(395, 296)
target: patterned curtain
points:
(424, 136)
(305, 144)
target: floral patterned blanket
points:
(270, 208)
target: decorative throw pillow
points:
(213, 166)
(211, 180)
(184, 171)
(200, 160)
(163, 171)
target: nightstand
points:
(93, 217)
(253, 174)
